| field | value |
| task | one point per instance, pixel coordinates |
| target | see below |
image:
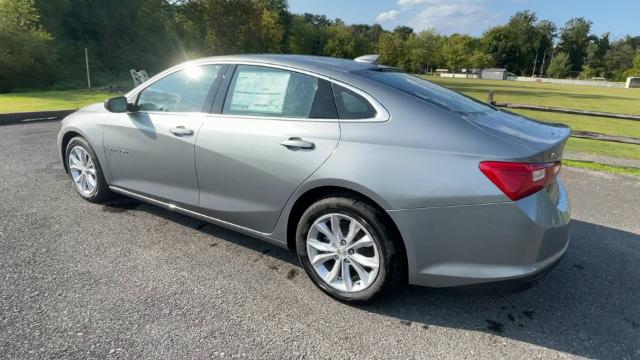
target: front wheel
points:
(347, 249)
(85, 171)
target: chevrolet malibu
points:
(373, 176)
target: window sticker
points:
(260, 91)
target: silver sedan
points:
(374, 177)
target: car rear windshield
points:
(426, 90)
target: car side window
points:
(351, 105)
(185, 90)
(271, 92)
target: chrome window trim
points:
(279, 118)
(382, 114)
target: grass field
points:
(603, 167)
(608, 148)
(625, 101)
(600, 125)
(50, 100)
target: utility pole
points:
(542, 65)
(535, 63)
(86, 60)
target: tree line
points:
(42, 41)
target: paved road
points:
(79, 280)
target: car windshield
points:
(426, 90)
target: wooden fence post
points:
(490, 97)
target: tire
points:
(100, 191)
(372, 223)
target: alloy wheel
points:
(342, 252)
(83, 170)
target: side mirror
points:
(117, 104)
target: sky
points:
(618, 17)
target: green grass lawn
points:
(50, 100)
(587, 123)
(608, 148)
(603, 167)
(624, 101)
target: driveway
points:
(130, 280)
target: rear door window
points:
(270, 92)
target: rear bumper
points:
(475, 244)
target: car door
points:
(151, 151)
(273, 130)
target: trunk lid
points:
(541, 142)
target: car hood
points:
(97, 107)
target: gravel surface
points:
(130, 280)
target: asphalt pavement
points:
(129, 280)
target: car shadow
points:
(588, 305)
(123, 204)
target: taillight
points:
(518, 180)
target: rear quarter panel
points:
(421, 157)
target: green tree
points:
(51, 13)
(371, 33)
(518, 44)
(574, 40)
(27, 57)
(189, 22)
(481, 60)
(344, 42)
(635, 70)
(546, 33)
(587, 72)
(456, 51)
(391, 49)
(308, 34)
(619, 59)
(596, 54)
(403, 31)
(241, 26)
(152, 34)
(280, 9)
(560, 65)
(423, 50)
(119, 36)
(270, 32)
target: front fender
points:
(89, 125)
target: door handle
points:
(295, 143)
(181, 131)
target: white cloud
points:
(447, 17)
(410, 3)
(388, 15)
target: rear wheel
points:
(347, 249)
(85, 171)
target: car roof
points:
(329, 66)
